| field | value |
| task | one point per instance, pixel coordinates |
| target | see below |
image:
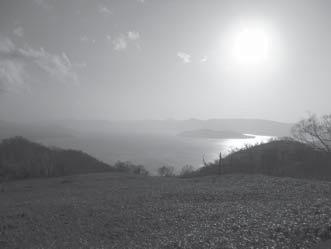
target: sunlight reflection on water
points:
(227, 146)
(233, 144)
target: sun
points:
(251, 46)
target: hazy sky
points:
(157, 59)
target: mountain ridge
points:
(213, 134)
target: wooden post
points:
(220, 164)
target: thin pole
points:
(220, 164)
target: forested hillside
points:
(20, 158)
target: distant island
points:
(207, 133)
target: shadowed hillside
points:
(20, 158)
(277, 158)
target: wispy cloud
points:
(140, 1)
(86, 39)
(103, 9)
(57, 66)
(204, 59)
(6, 46)
(120, 43)
(185, 58)
(12, 73)
(14, 62)
(19, 31)
(133, 35)
(12, 76)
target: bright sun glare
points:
(251, 46)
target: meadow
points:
(113, 210)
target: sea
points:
(154, 150)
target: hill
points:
(277, 158)
(20, 158)
(110, 210)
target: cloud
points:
(133, 35)
(186, 58)
(12, 73)
(57, 66)
(204, 59)
(103, 9)
(19, 31)
(86, 39)
(14, 62)
(120, 43)
(141, 1)
(12, 76)
(6, 46)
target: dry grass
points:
(117, 211)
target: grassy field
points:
(118, 211)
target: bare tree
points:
(315, 132)
(166, 171)
(186, 170)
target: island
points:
(207, 133)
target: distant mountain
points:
(21, 158)
(206, 133)
(32, 131)
(65, 128)
(171, 126)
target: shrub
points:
(131, 168)
(166, 171)
(187, 170)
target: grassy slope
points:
(117, 211)
(21, 158)
(277, 158)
